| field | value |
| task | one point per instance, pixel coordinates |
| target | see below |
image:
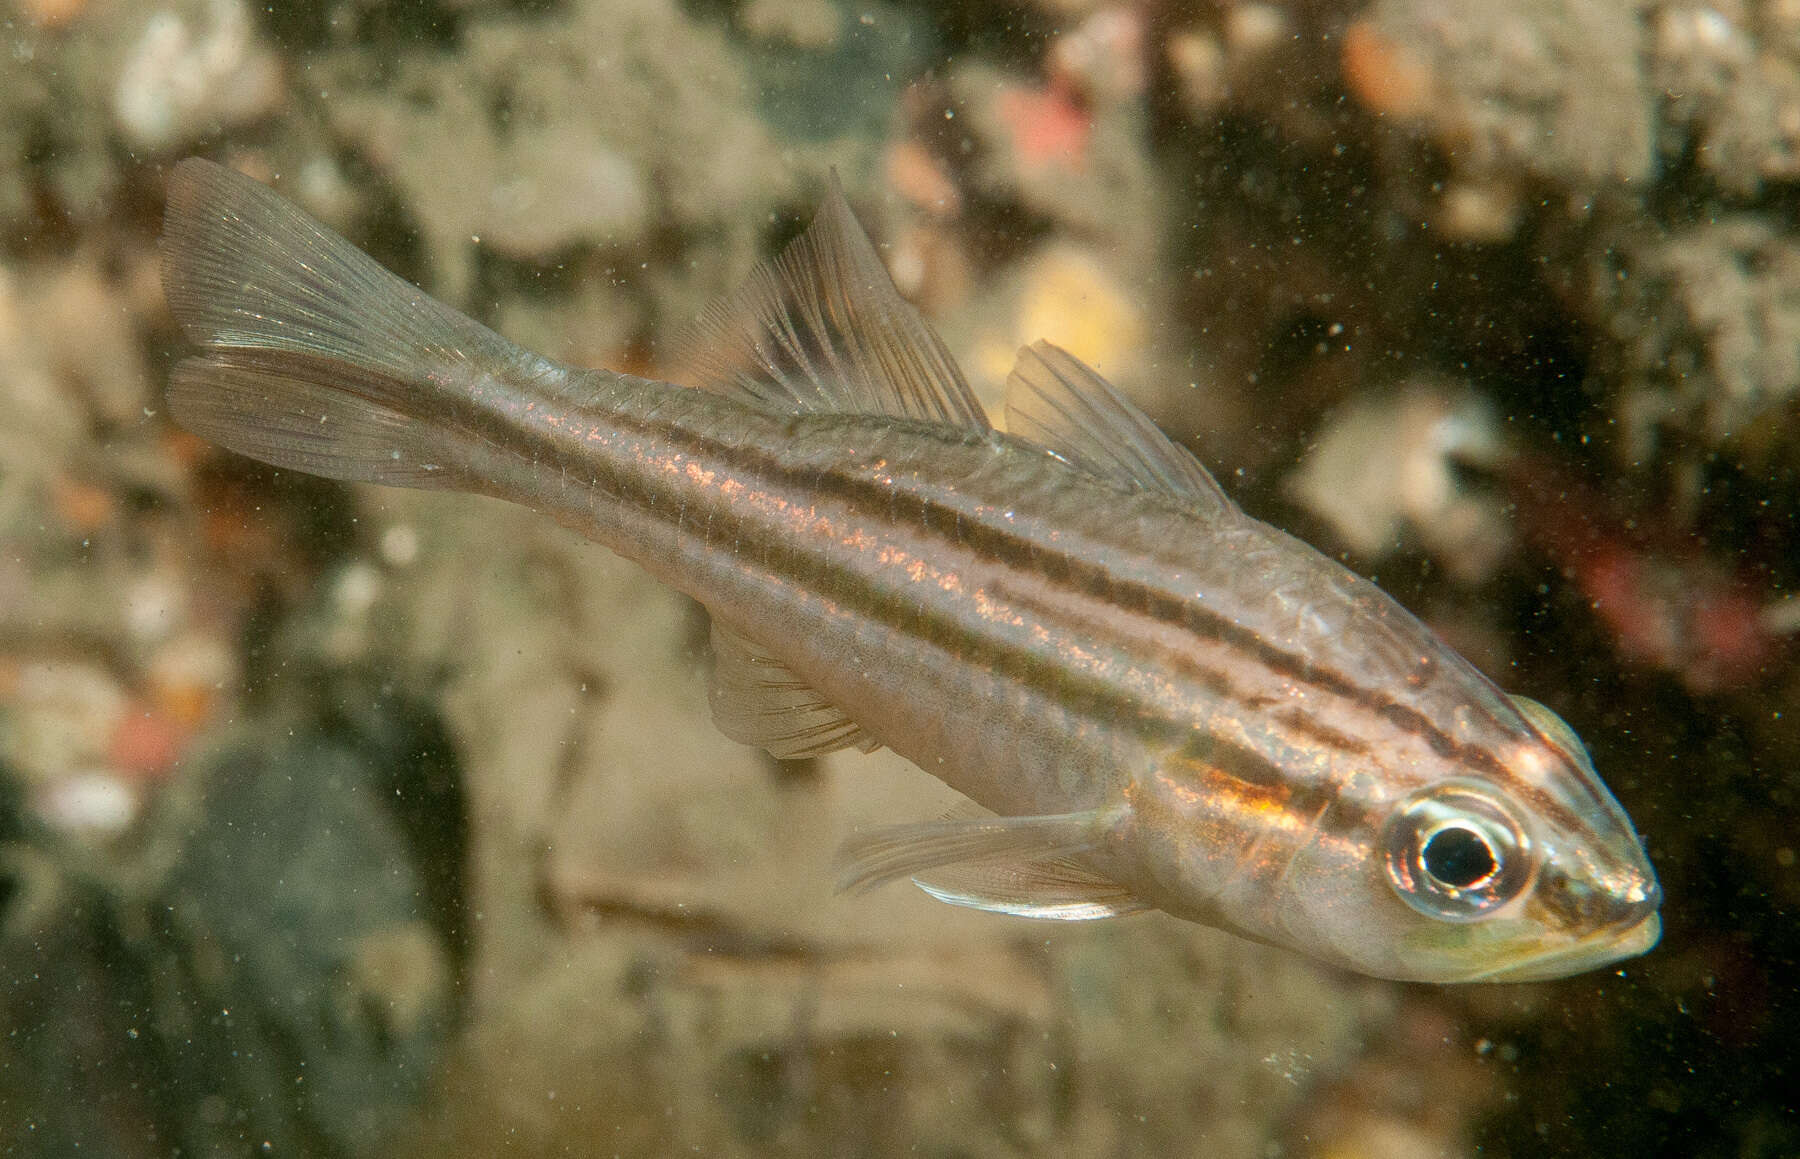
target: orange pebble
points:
(84, 507)
(188, 705)
(52, 13)
(1383, 76)
(187, 449)
(1050, 128)
(146, 744)
(916, 175)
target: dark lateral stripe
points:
(1315, 730)
(1093, 697)
(1219, 769)
(997, 544)
(1235, 761)
(1214, 680)
(1241, 764)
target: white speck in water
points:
(97, 803)
(400, 545)
(357, 588)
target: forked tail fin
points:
(315, 358)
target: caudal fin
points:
(314, 358)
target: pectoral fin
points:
(883, 855)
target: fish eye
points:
(1455, 853)
(1459, 857)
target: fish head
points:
(1528, 874)
(1506, 860)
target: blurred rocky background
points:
(345, 822)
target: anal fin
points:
(1057, 888)
(757, 700)
(896, 851)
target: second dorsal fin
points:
(821, 328)
(1060, 403)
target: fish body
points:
(1156, 700)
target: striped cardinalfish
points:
(1151, 699)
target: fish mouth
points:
(1612, 945)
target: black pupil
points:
(1458, 857)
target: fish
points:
(1150, 699)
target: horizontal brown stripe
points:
(879, 498)
(998, 544)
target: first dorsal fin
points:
(821, 328)
(1059, 402)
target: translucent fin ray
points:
(1056, 888)
(1555, 729)
(887, 854)
(304, 413)
(313, 356)
(1059, 402)
(821, 328)
(757, 700)
(242, 267)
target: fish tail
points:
(314, 358)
